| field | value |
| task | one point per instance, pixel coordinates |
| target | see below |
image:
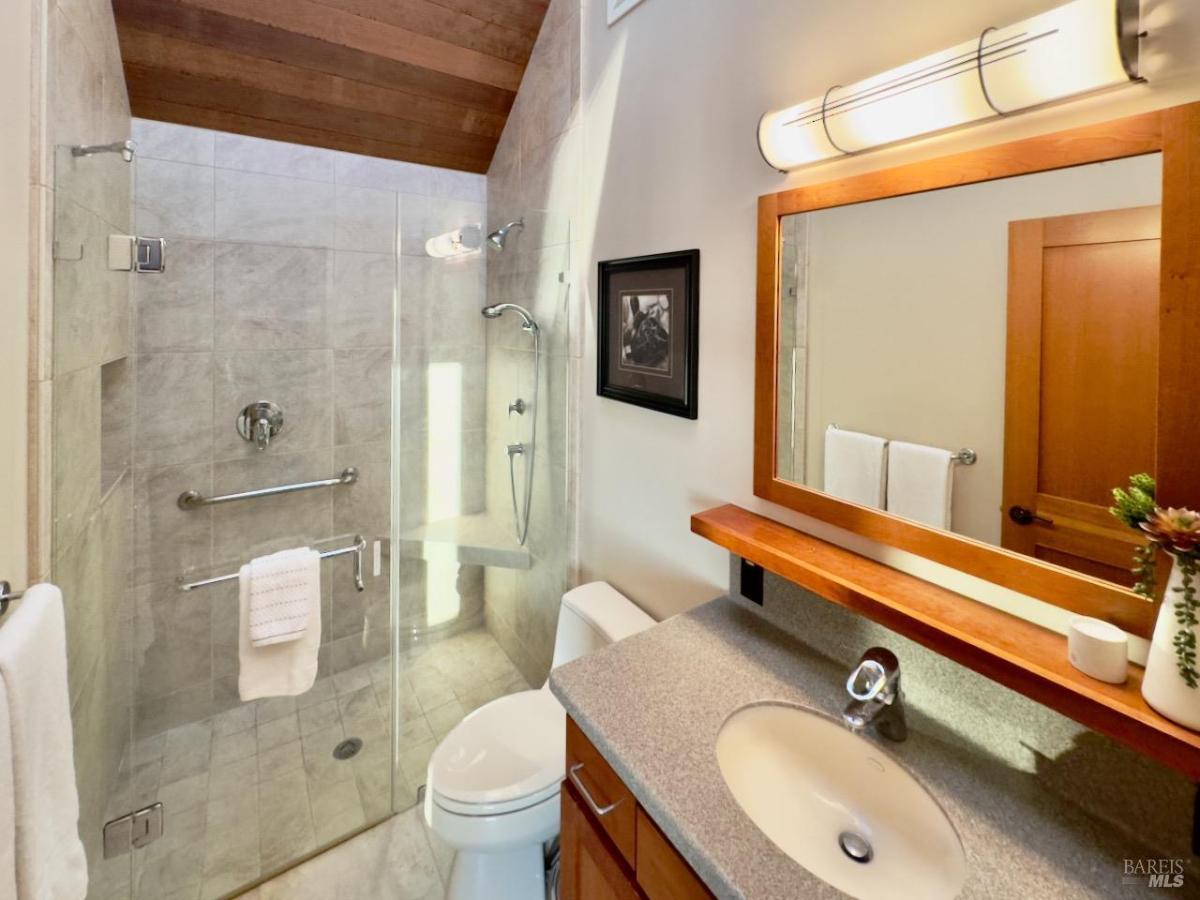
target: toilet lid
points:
(508, 754)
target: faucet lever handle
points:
(867, 680)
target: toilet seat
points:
(504, 757)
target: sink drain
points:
(348, 748)
(855, 846)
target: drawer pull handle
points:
(595, 807)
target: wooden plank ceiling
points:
(427, 81)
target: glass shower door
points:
(278, 288)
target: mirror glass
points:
(980, 359)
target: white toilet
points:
(492, 785)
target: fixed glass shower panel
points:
(482, 419)
(261, 421)
(87, 377)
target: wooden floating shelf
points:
(1016, 653)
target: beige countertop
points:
(654, 703)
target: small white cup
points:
(1099, 649)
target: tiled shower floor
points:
(255, 788)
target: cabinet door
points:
(591, 868)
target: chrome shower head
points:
(497, 238)
(498, 309)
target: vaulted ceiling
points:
(427, 81)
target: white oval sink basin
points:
(824, 795)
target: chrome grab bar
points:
(578, 782)
(357, 548)
(195, 500)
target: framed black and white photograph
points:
(648, 331)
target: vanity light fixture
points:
(1073, 49)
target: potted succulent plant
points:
(1172, 681)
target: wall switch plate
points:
(752, 582)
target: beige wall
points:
(908, 301)
(671, 99)
(16, 164)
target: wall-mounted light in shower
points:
(463, 241)
(1076, 48)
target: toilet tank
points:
(591, 616)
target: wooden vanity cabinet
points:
(610, 847)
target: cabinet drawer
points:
(591, 870)
(661, 872)
(602, 791)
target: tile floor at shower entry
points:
(264, 773)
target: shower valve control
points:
(517, 406)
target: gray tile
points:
(178, 143)
(280, 759)
(91, 312)
(267, 209)
(386, 174)
(171, 633)
(170, 542)
(362, 393)
(278, 731)
(269, 297)
(173, 199)
(229, 748)
(361, 299)
(232, 778)
(250, 154)
(440, 302)
(272, 708)
(319, 717)
(303, 518)
(365, 506)
(300, 382)
(182, 795)
(366, 220)
(76, 449)
(183, 384)
(175, 307)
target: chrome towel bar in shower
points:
(195, 500)
(357, 548)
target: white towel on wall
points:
(920, 483)
(856, 466)
(8, 809)
(283, 586)
(49, 861)
(281, 669)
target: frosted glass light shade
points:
(1081, 46)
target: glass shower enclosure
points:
(308, 366)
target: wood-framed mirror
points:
(1036, 303)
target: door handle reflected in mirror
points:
(1023, 516)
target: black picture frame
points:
(648, 331)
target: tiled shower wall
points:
(83, 387)
(281, 278)
(536, 175)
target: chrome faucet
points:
(875, 686)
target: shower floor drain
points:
(348, 748)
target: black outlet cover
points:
(752, 582)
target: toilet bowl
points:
(492, 787)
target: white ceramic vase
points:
(1163, 686)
